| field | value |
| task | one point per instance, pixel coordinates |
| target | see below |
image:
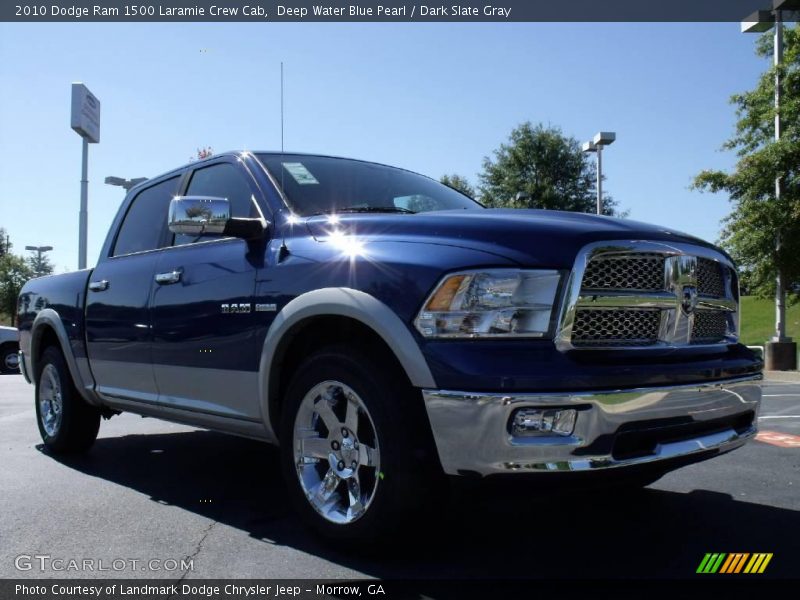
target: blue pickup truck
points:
(387, 331)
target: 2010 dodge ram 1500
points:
(386, 329)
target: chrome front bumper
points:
(613, 428)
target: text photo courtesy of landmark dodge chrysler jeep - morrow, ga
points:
(388, 331)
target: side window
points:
(222, 180)
(144, 224)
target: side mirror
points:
(201, 215)
(198, 215)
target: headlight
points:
(491, 303)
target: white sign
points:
(85, 118)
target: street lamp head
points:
(604, 138)
(589, 147)
(46, 248)
(125, 184)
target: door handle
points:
(98, 286)
(168, 277)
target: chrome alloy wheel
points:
(11, 361)
(336, 452)
(50, 401)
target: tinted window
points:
(321, 184)
(223, 180)
(146, 220)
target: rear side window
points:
(144, 224)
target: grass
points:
(758, 320)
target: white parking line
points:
(778, 395)
(780, 417)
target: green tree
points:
(540, 167)
(5, 242)
(750, 232)
(40, 265)
(14, 272)
(457, 182)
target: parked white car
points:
(9, 348)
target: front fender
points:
(344, 302)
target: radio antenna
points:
(282, 167)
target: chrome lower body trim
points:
(473, 435)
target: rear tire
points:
(356, 448)
(9, 358)
(66, 422)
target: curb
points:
(787, 376)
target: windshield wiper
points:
(367, 209)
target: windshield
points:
(318, 184)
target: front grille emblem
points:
(689, 299)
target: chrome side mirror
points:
(198, 215)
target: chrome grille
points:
(642, 272)
(617, 327)
(710, 327)
(647, 294)
(710, 281)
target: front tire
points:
(66, 422)
(355, 450)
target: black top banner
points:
(385, 11)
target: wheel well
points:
(314, 333)
(46, 338)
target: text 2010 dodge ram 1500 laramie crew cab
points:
(386, 330)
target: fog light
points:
(540, 421)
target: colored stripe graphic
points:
(732, 559)
(716, 565)
(765, 563)
(758, 563)
(721, 562)
(741, 562)
(703, 563)
(734, 563)
(711, 562)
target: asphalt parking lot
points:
(155, 490)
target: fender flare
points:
(344, 302)
(50, 318)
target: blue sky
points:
(434, 98)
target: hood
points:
(530, 237)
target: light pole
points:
(603, 138)
(39, 251)
(780, 352)
(125, 184)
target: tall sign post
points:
(85, 120)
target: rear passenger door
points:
(204, 350)
(118, 327)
